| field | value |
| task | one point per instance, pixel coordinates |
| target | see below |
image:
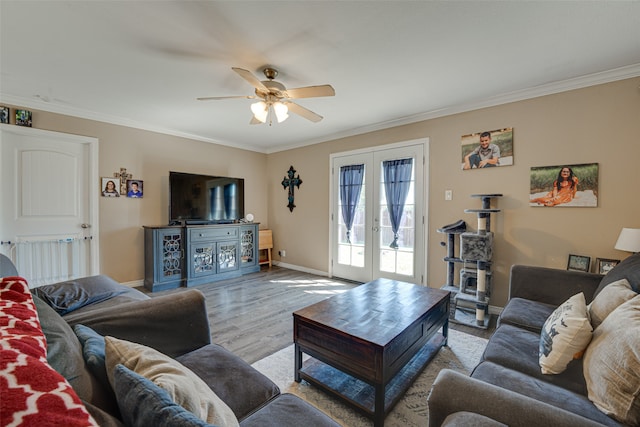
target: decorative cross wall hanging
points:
(291, 181)
(124, 176)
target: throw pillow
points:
(184, 387)
(93, 351)
(612, 364)
(628, 269)
(565, 335)
(33, 393)
(608, 300)
(142, 403)
(65, 297)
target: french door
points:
(377, 213)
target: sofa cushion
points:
(33, 393)
(517, 349)
(612, 296)
(628, 269)
(465, 419)
(143, 403)
(238, 384)
(526, 314)
(288, 410)
(184, 387)
(564, 335)
(540, 390)
(612, 364)
(65, 297)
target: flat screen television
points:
(205, 199)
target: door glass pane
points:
(401, 260)
(351, 250)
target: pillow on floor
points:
(611, 296)
(565, 335)
(184, 387)
(612, 364)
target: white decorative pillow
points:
(612, 364)
(565, 335)
(185, 387)
(611, 296)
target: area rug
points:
(462, 355)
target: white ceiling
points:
(143, 63)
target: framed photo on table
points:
(579, 263)
(604, 265)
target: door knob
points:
(85, 225)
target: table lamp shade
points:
(629, 240)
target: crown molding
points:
(114, 120)
(603, 77)
(608, 76)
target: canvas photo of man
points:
(487, 149)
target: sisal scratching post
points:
(481, 289)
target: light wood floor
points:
(252, 315)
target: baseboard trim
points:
(299, 268)
(134, 283)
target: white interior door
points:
(365, 253)
(48, 218)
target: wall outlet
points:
(448, 194)
(283, 253)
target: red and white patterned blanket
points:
(32, 392)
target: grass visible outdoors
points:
(503, 139)
(542, 177)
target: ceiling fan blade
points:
(215, 98)
(255, 121)
(310, 92)
(253, 80)
(301, 111)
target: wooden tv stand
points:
(193, 255)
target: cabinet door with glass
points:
(227, 256)
(249, 248)
(164, 251)
(202, 259)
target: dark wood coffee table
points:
(369, 344)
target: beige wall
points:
(597, 124)
(150, 156)
(600, 124)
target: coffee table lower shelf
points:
(361, 395)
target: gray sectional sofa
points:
(508, 388)
(176, 325)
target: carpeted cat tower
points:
(470, 298)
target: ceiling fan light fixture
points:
(260, 111)
(281, 111)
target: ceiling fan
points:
(275, 98)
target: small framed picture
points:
(134, 188)
(604, 265)
(579, 263)
(110, 187)
(4, 114)
(23, 118)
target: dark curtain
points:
(397, 180)
(350, 187)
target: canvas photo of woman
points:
(569, 185)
